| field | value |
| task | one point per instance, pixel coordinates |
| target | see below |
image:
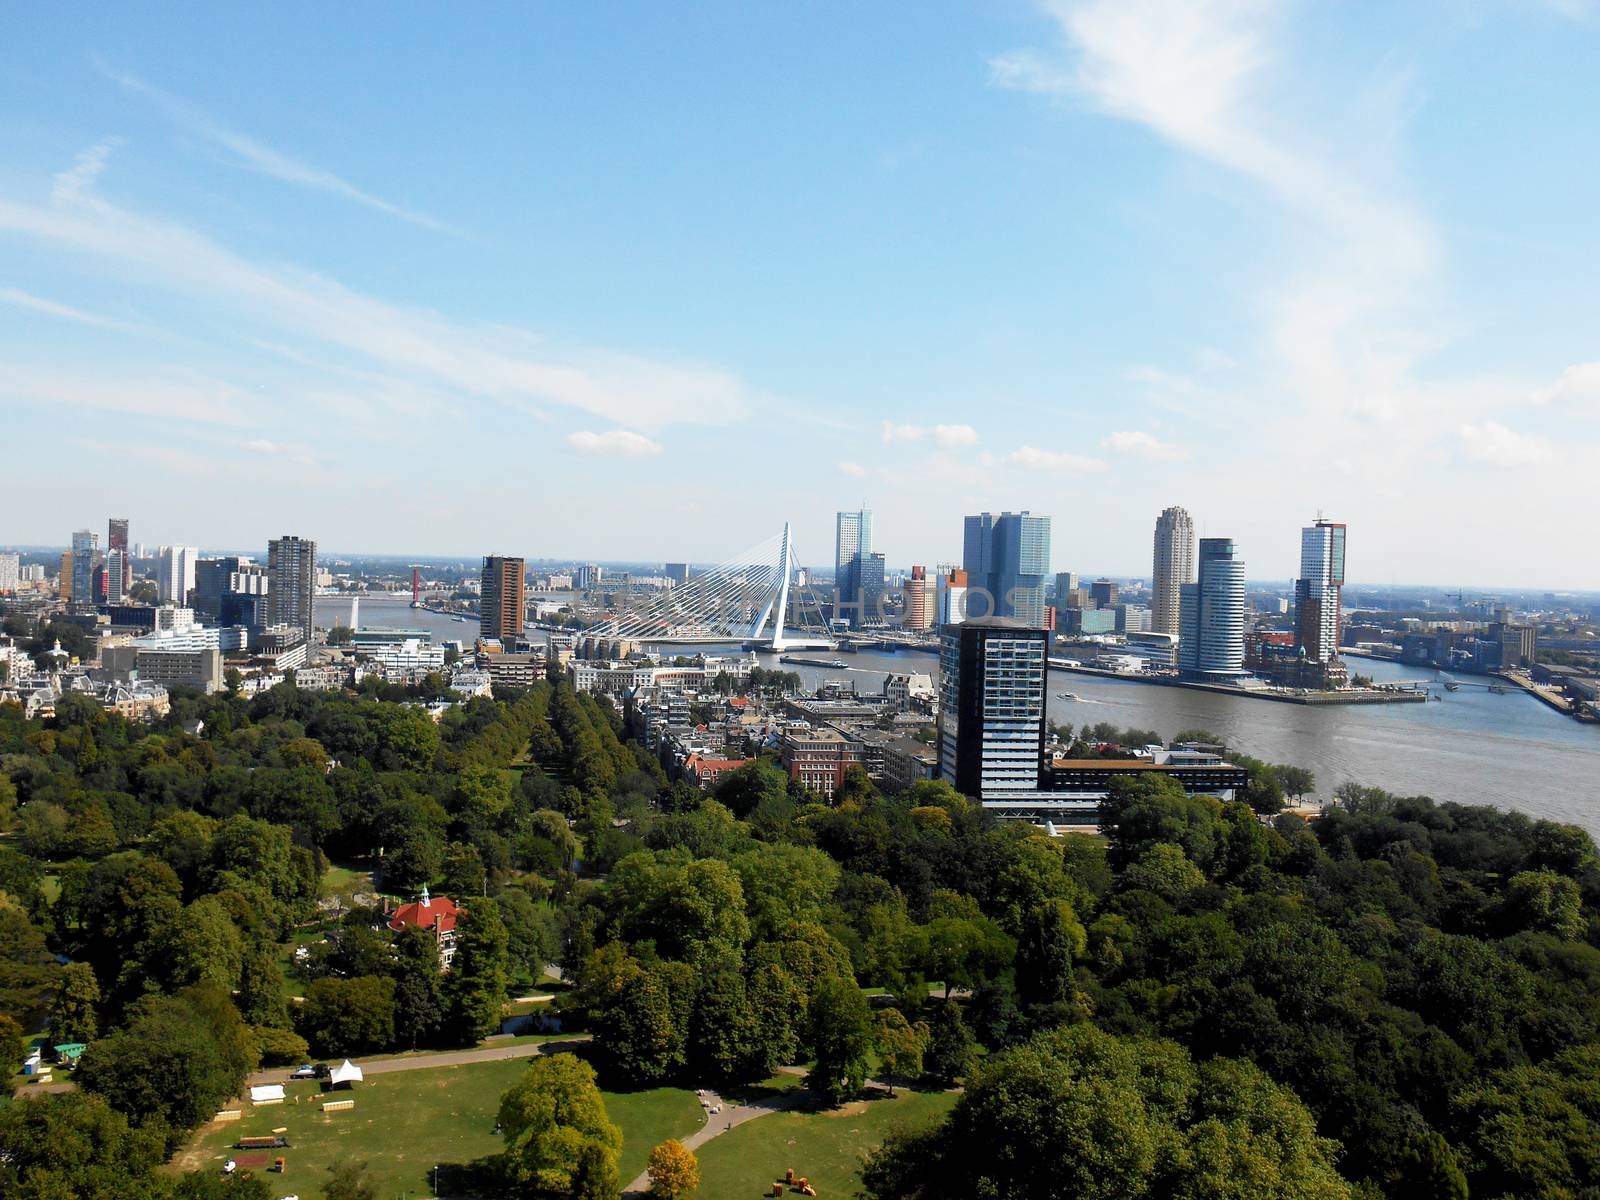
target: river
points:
(1472, 746)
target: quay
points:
(1408, 695)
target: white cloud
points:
(617, 443)
(951, 437)
(1053, 460)
(22, 299)
(902, 433)
(853, 469)
(264, 159)
(1579, 384)
(1494, 445)
(946, 437)
(1138, 444)
(78, 180)
(278, 450)
(510, 366)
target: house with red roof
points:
(434, 914)
(706, 771)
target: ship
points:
(838, 664)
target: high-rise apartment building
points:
(1103, 592)
(117, 540)
(1006, 557)
(292, 583)
(1172, 569)
(677, 572)
(85, 558)
(588, 577)
(117, 573)
(922, 599)
(10, 572)
(851, 548)
(175, 573)
(952, 595)
(1319, 590)
(992, 707)
(501, 603)
(1211, 615)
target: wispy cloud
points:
(262, 158)
(21, 299)
(617, 443)
(1579, 385)
(265, 446)
(853, 469)
(179, 395)
(1055, 461)
(1138, 444)
(510, 366)
(1493, 445)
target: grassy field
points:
(826, 1146)
(405, 1123)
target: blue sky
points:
(642, 281)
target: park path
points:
(446, 1058)
(721, 1122)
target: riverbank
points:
(1281, 695)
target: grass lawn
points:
(825, 1146)
(404, 1123)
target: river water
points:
(1472, 746)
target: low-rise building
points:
(819, 758)
(432, 914)
(907, 761)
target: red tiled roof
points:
(439, 916)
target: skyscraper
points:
(992, 706)
(1211, 615)
(85, 558)
(292, 583)
(1007, 556)
(1173, 567)
(175, 573)
(677, 572)
(922, 599)
(117, 539)
(852, 545)
(1319, 590)
(116, 572)
(500, 607)
(230, 591)
(952, 595)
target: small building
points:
(437, 915)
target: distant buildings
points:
(1103, 592)
(1318, 591)
(175, 568)
(292, 583)
(501, 607)
(922, 600)
(588, 577)
(117, 543)
(1007, 555)
(991, 729)
(1172, 568)
(852, 547)
(952, 595)
(85, 558)
(231, 591)
(1211, 619)
(677, 572)
(10, 572)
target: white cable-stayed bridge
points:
(754, 597)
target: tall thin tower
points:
(1173, 567)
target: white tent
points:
(271, 1093)
(346, 1072)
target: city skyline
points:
(1269, 280)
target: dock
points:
(1406, 695)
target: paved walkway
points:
(447, 1058)
(719, 1123)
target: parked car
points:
(310, 1071)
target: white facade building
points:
(175, 573)
(1211, 634)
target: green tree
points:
(1544, 902)
(475, 990)
(951, 1048)
(841, 1035)
(349, 1016)
(1080, 1113)
(261, 997)
(1163, 869)
(419, 1003)
(725, 1043)
(559, 1141)
(1051, 937)
(901, 1045)
(74, 1013)
(76, 1147)
(1530, 1130)
(347, 1180)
